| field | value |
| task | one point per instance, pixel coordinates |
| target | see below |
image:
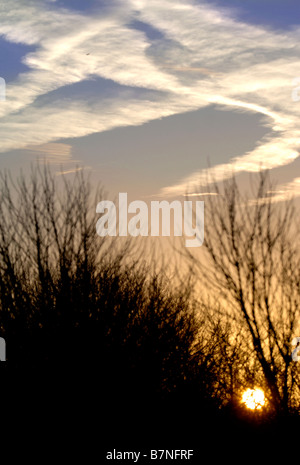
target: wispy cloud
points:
(71, 171)
(58, 155)
(285, 191)
(201, 194)
(190, 69)
(202, 58)
(53, 153)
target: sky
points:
(147, 95)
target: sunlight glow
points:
(254, 399)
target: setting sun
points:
(254, 399)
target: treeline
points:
(69, 298)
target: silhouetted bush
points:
(71, 299)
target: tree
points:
(71, 298)
(252, 251)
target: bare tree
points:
(50, 254)
(252, 248)
(68, 296)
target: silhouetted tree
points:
(71, 298)
(252, 252)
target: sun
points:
(254, 399)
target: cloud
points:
(255, 74)
(190, 69)
(76, 119)
(201, 194)
(203, 57)
(286, 191)
(71, 171)
(58, 155)
(52, 153)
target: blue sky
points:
(144, 94)
(282, 14)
